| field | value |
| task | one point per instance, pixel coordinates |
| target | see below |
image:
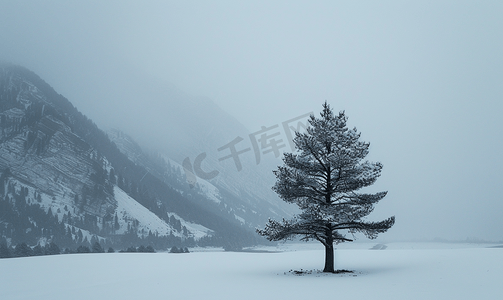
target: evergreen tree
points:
(131, 249)
(52, 249)
(116, 222)
(83, 249)
(5, 251)
(97, 248)
(112, 176)
(323, 178)
(80, 236)
(38, 250)
(22, 250)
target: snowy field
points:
(401, 271)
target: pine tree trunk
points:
(329, 250)
(329, 258)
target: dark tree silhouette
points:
(323, 178)
(97, 248)
(5, 251)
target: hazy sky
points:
(422, 81)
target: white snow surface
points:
(128, 210)
(208, 189)
(399, 272)
(197, 231)
(239, 219)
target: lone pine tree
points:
(323, 178)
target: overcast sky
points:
(422, 81)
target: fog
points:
(422, 81)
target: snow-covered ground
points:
(401, 271)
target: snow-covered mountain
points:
(195, 133)
(245, 204)
(63, 179)
(213, 146)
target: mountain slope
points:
(193, 132)
(248, 209)
(56, 161)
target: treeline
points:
(25, 222)
(29, 223)
(23, 250)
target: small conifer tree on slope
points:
(324, 177)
